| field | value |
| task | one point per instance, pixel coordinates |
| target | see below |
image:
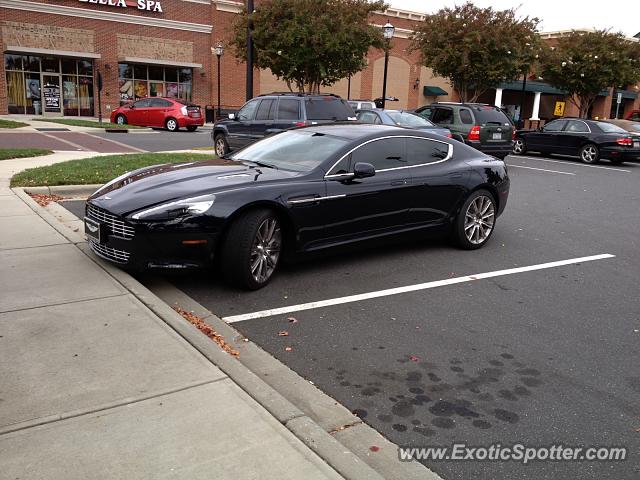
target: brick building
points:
(55, 49)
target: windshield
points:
(296, 150)
(610, 128)
(409, 119)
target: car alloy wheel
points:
(172, 125)
(518, 146)
(221, 145)
(265, 251)
(120, 120)
(589, 154)
(479, 220)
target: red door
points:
(138, 114)
(158, 112)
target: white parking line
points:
(576, 164)
(540, 169)
(409, 288)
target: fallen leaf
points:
(200, 324)
(283, 333)
(44, 200)
(292, 320)
(374, 448)
(288, 349)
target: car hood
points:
(162, 183)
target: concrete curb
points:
(64, 190)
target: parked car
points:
(628, 125)
(479, 125)
(591, 140)
(401, 119)
(169, 113)
(359, 104)
(633, 115)
(301, 190)
(275, 112)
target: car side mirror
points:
(132, 106)
(363, 170)
(232, 116)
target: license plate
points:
(92, 229)
(636, 144)
(497, 136)
(195, 115)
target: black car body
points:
(591, 140)
(275, 112)
(484, 127)
(338, 184)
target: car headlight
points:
(166, 211)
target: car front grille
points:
(113, 254)
(115, 226)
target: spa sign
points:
(147, 5)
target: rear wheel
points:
(121, 119)
(221, 145)
(251, 250)
(474, 224)
(590, 153)
(192, 128)
(172, 124)
(519, 147)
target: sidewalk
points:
(93, 384)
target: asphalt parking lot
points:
(533, 339)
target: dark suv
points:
(275, 112)
(479, 125)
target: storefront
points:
(54, 54)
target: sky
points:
(623, 16)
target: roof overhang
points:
(47, 51)
(154, 61)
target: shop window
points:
(156, 89)
(70, 94)
(156, 73)
(85, 96)
(185, 91)
(69, 67)
(185, 75)
(34, 102)
(16, 92)
(141, 89)
(85, 67)
(140, 72)
(126, 90)
(32, 64)
(126, 70)
(50, 64)
(171, 75)
(13, 62)
(172, 90)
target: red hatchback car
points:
(169, 113)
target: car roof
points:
(354, 131)
(298, 94)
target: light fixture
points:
(388, 30)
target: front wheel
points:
(172, 125)
(192, 128)
(589, 153)
(221, 145)
(474, 224)
(121, 119)
(519, 147)
(251, 250)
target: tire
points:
(590, 153)
(121, 119)
(476, 221)
(171, 124)
(252, 249)
(519, 147)
(220, 144)
(192, 128)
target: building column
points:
(498, 101)
(536, 106)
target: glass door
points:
(51, 94)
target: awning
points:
(626, 94)
(532, 86)
(433, 91)
(47, 51)
(166, 63)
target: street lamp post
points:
(219, 50)
(387, 32)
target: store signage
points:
(147, 5)
(559, 110)
(51, 98)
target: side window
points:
(465, 117)
(555, 126)
(421, 151)
(442, 116)
(382, 154)
(288, 109)
(344, 166)
(247, 112)
(265, 110)
(368, 117)
(159, 103)
(578, 127)
(426, 113)
(635, 117)
(145, 103)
